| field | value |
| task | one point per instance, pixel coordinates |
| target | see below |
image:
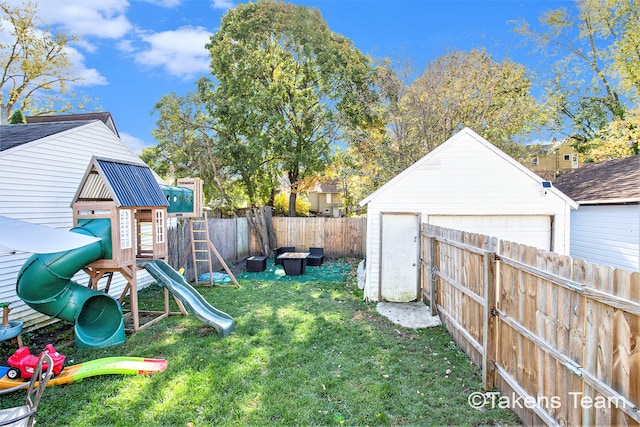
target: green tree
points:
(618, 139)
(32, 62)
(187, 146)
(598, 63)
(456, 90)
(17, 118)
(285, 86)
(618, 21)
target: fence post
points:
(432, 265)
(489, 329)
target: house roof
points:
(127, 184)
(104, 117)
(467, 132)
(15, 135)
(612, 181)
(328, 186)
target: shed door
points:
(399, 257)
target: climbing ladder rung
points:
(202, 231)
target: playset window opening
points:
(159, 226)
(125, 229)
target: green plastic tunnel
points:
(44, 283)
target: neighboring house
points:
(555, 159)
(606, 227)
(468, 184)
(103, 116)
(41, 165)
(326, 199)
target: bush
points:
(281, 205)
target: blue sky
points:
(131, 53)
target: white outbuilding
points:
(467, 184)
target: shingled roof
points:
(15, 135)
(613, 181)
(103, 116)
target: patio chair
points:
(316, 256)
(25, 415)
(280, 251)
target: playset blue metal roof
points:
(133, 185)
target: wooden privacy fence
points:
(338, 236)
(234, 242)
(559, 337)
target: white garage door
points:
(532, 230)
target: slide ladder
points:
(201, 248)
(200, 254)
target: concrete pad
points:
(414, 315)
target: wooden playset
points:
(138, 209)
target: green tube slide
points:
(45, 284)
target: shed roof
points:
(612, 181)
(15, 135)
(471, 135)
(127, 184)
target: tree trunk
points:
(262, 227)
(254, 228)
(268, 219)
(292, 204)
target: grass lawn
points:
(302, 354)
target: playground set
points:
(123, 205)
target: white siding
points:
(607, 234)
(467, 176)
(37, 183)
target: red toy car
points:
(23, 363)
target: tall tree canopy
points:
(187, 141)
(284, 86)
(32, 61)
(598, 66)
(462, 88)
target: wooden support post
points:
(433, 281)
(489, 330)
(224, 264)
(133, 300)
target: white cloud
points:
(89, 76)
(135, 144)
(165, 3)
(222, 4)
(97, 18)
(180, 52)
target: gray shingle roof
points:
(103, 116)
(614, 181)
(15, 135)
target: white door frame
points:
(415, 261)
